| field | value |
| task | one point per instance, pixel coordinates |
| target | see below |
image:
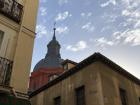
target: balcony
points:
(11, 9)
(5, 71)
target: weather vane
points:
(54, 31)
(54, 25)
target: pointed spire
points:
(54, 37)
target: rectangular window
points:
(57, 101)
(80, 96)
(123, 96)
(1, 37)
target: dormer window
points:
(68, 64)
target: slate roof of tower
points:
(53, 57)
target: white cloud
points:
(133, 17)
(81, 45)
(61, 2)
(41, 31)
(88, 27)
(116, 35)
(131, 12)
(89, 14)
(62, 16)
(110, 17)
(43, 11)
(86, 14)
(103, 42)
(129, 36)
(130, 27)
(130, 4)
(105, 28)
(133, 37)
(61, 30)
(134, 14)
(126, 13)
(83, 14)
(137, 24)
(113, 2)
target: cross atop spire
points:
(54, 37)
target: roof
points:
(48, 62)
(69, 61)
(52, 58)
(91, 59)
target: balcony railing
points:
(5, 71)
(11, 9)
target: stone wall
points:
(101, 88)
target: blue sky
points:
(111, 27)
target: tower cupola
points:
(53, 57)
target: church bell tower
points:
(49, 67)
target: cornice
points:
(9, 23)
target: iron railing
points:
(11, 9)
(5, 71)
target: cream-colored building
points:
(94, 81)
(17, 33)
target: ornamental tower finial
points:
(54, 37)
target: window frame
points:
(52, 77)
(82, 98)
(1, 35)
(123, 96)
(57, 99)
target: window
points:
(65, 67)
(123, 96)
(1, 37)
(80, 96)
(57, 101)
(52, 77)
